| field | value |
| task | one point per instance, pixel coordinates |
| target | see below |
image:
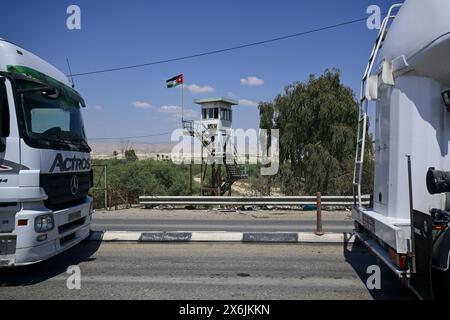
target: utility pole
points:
(106, 189)
(190, 178)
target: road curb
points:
(221, 236)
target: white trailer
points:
(45, 170)
(408, 78)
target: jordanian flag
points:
(175, 81)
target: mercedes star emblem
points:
(74, 185)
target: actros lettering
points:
(70, 164)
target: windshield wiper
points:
(61, 140)
(56, 132)
(79, 141)
(69, 143)
(74, 140)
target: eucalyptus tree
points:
(318, 122)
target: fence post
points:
(319, 229)
(106, 189)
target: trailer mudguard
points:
(441, 252)
(421, 278)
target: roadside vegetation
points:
(128, 179)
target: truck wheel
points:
(441, 285)
(447, 285)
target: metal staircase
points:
(363, 108)
(235, 171)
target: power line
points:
(253, 44)
(208, 53)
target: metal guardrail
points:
(337, 201)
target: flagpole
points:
(182, 101)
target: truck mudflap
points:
(441, 252)
(421, 277)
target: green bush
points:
(127, 180)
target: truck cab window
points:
(56, 120)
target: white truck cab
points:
(45, 166)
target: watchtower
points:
(214, 131)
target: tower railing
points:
(235, 168)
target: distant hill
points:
(105, 149)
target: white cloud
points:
(170, 109)
(142, 105)
(252, 81)
(248, 103)
(175, 111)
(196, 89)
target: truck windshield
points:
(54, 118)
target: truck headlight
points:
(44, 223)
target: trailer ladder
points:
(363, 108)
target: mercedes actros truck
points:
(45, 166)
(408, 80)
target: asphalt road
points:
(218, 225)
(203, 271)
(185, 220)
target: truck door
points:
(9, 138)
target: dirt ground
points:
(223, 214)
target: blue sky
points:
(135, 102)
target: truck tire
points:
(447, 285)
(441, 285)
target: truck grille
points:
(59, 191)
(71, 225)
